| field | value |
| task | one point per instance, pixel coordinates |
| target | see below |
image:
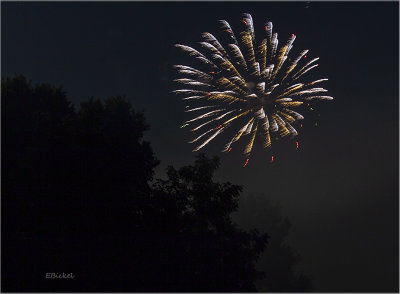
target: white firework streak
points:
(309, 63)
(279, 66)
(237, 135)
(303, 53)
(211, 39)
(289, 90)
(317, 81)
(189, 92)
(199, 74)
(293, 86)
(249, 20)
(262, 52)
(274, 44)
(223, 92)
(283, 100)
(199, 84)
(265, 123)
(261, 87)
(193, 83)
(294, 63)
(237, 53)
(190, 50)
(249, 146)
(209, 139)
(269, 27)
(227, 65)
(288, 118)
(291, 129)
(273, 126)
(202, 135)
(305, 66)
(296, 115)
(272, 88)
(269, 71)
(238, 81)
(193, 97)
(279, 119)
(280, 59)
(282, 125)
(192, 71)
(252, 96)
(210, 47)
(188, 68)
(302, 73)
(217, 118)
(248, 130)
(319, 97)
(290, 45)
(309, 91)
(256, 71)
(226, 27)
(260, 113)
(198, 108)
(265, 127)
(207, 61)
(205, 115)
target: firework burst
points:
(246, 85)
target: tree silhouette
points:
(74, 184)
(217, 255)
(77, 199)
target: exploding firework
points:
(246, 85)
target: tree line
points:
(79, 196)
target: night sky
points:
(339, 191)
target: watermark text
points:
(60, 276)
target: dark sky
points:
(340, 190)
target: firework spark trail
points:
(189, 92)
(192, 71)
(250, 144)
(319, 97)
(294, 64)
(198, 108)
(205, 115)
(212, 40)
(317, 81)
(202, 135)
(227, 28)
(296, 115)
(238, 134)
(209, 139)
(251, 81)
(306, 70)
(193, 97)
(217, 118)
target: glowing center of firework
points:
(251, 85)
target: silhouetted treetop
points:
(202, 207)
(93, 161)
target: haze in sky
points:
(339, 190)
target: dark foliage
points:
(76, 198)
(216, 255)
